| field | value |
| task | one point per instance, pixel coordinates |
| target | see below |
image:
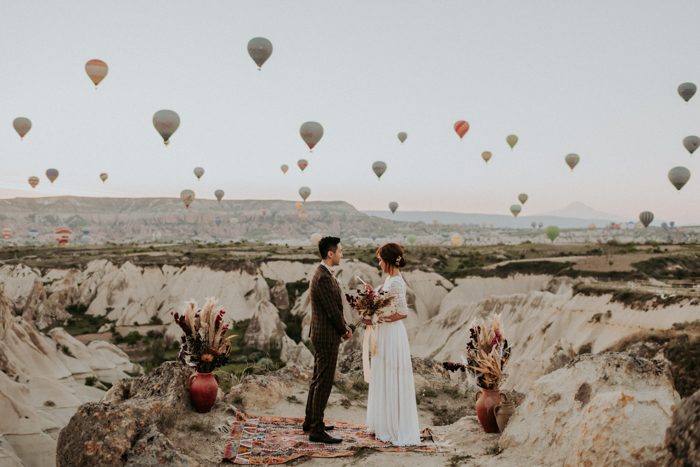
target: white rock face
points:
(541, 318)
(42, 385)
(602, 410)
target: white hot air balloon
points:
(187, 196)
(679, 176)
(198, 172)
(311, 133)
(379, 168)
(259, 50)
(304, 192)
(515, 209)
(315, 238)
(166, 123)
(22, 125)
(219, 195)
(691, 143)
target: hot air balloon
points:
(486, 156)
(456, 240)
(284, 168)
(379, 168)
(411, 239)
(299, 205)
(62, 235)
(393, 206)
(198, 172)
(104, 176)
(22, 125)
(302, 164)
(461, 127)
(679, 176)
(219, 195)
(512, 140)
(33, 233)
(691, 143)
(187, 196)
(311, 133)
(402, 136)
(540, 225)
(552, 232)
(687, 91)
(7, 233)
(515, 209)
(86, 235)
(533, 224)
(52, 174)
(166, 123)
(646, 217)
(304, 192)
(572, 160)
(33, 181)
(259, 50)
(96, 70)
(522, 197)
(315, 238)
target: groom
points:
(327, 329)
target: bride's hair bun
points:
(392, 254)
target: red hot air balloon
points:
(461, 128)
(302, 164)
(62, 235)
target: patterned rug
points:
(276, 440)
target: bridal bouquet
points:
(204, 343)
(487, 354)
(369, 303)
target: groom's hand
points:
(348, 334)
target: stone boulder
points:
(112, 432)
(683, 436)
(607, 409)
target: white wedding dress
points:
(392, 414)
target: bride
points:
(391, 406)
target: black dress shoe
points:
(324, 437)
(306, 428)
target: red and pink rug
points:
(276, 440)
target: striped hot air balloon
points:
(62, 235)
(461, 128)
(96, 70)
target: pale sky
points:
(597, 78)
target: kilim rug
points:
(276, 440)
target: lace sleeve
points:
(398, 289)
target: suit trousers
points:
(325, 360)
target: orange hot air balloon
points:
(62, 235)
(302, 163)
(97, 70)
(299, 205)
(461, 128)
(33, 181)
(7, 233)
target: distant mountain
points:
(579, 210)
(489, 220)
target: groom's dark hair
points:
(327, 244)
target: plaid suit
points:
(327, 329)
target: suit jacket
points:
(327, 322)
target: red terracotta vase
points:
(485, 404)
(203, 391)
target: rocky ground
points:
(581, 414)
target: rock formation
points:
(609, 409)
